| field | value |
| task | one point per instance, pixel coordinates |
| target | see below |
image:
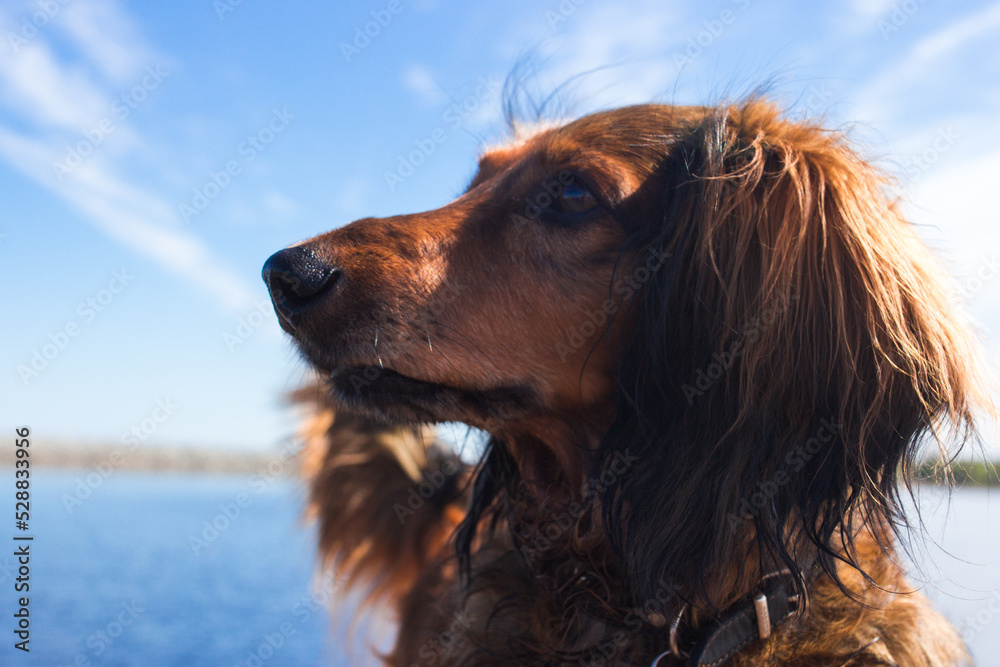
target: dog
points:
(705, 346)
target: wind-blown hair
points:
(777, 373)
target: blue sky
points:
(152, 156)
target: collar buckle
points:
(775, 602)
(763, 617)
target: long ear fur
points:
(780, 368)
(386, 498)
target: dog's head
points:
(722, 295)
(490, 309)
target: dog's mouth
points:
(389, 395)
(383, 393)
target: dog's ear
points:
(779, 367)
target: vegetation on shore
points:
(963, 473)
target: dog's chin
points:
(390, 396)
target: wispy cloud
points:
(64, 96)
(131, 216)
(608, 56)
(39, 89)
(418, 80)
(279, 205)
(868, 10)
(953, 200)
(353, 196)
(957, 35)
(107, 36)
(927, 58)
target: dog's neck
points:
(555, 448)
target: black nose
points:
(297, 278)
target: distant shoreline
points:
(156, 459)
(200, 460)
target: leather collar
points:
(775, 601)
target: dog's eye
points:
(575, 198)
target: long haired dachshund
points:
(705, 346)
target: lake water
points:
(132, 576)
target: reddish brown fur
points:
(477, 297)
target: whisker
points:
(474, 349)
